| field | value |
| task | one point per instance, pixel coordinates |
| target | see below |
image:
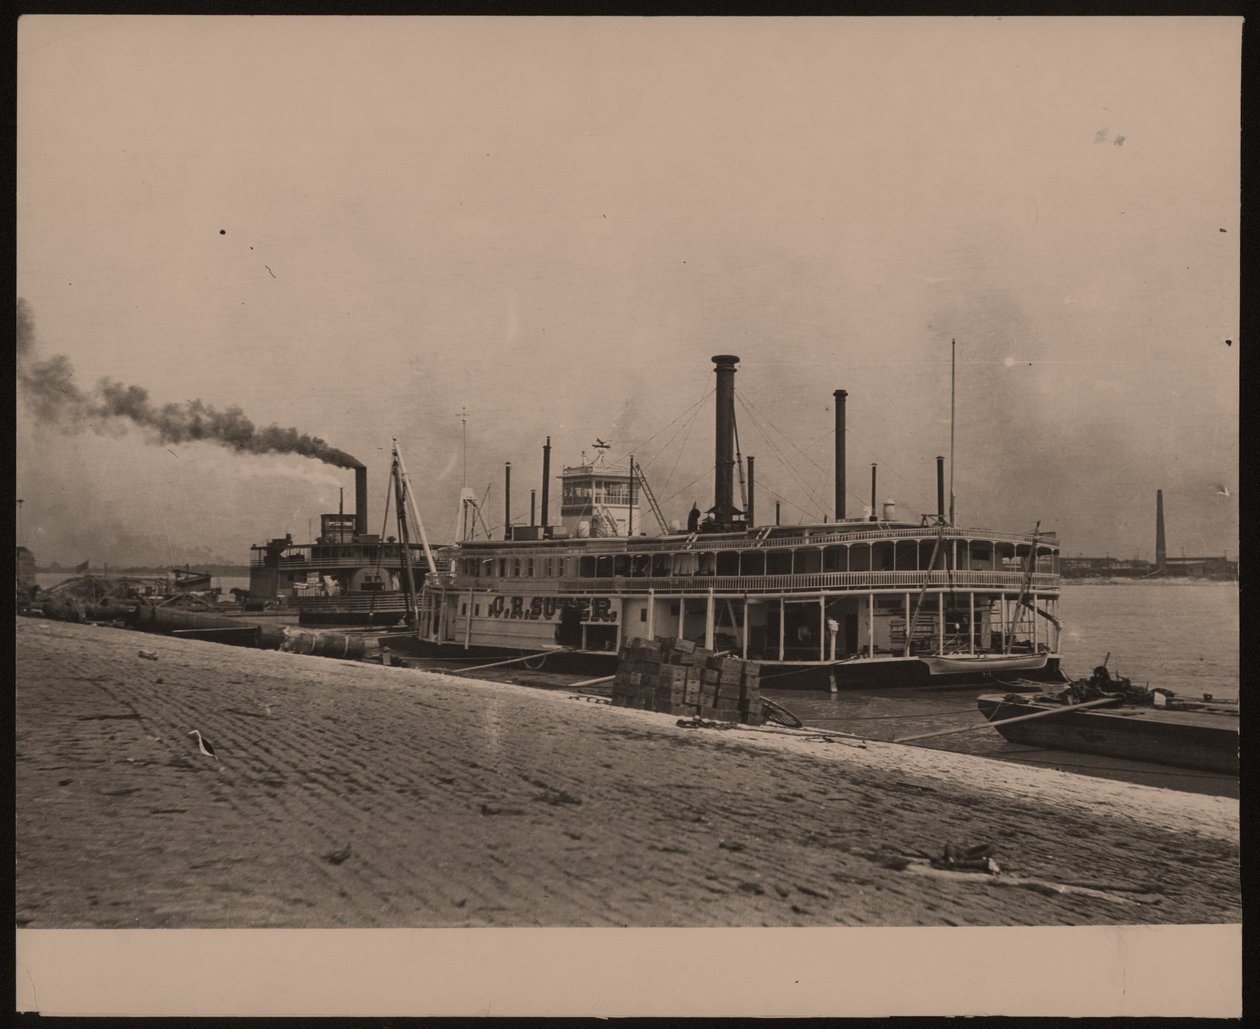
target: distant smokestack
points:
(751, 516)
(507, 500)
(360, 501)
(723, 485)
(940, 488)
(546, 485)
(1161, 549)
(532, 523)
(776, 511)
(840, 487)
(874, 506)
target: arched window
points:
(779, 561)
(860, 557)
(883, 557)
(836, 559)
(752, 562)
(807, 560)
(685, 563)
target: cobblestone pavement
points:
(353, 795)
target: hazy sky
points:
(357, 227)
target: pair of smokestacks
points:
(546, 494)
(723, 487)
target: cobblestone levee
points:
(356, 795)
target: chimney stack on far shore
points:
(1161, 548)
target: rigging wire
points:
(636, 447)
(804, 485)
(912, 486)
(678, 454)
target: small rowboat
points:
(1187, 734)
(982, 664)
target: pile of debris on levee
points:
(137, 603)
(677, 677)
(97, 598)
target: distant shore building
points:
(1081, 567)
(1088, 567)
(1201, 567)
(24, 570)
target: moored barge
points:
(1185, 734)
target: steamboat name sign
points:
(593, 609)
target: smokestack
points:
(723, 487)
(532, 523)
(751, 521)
(874, 506)
(360, 500)
(776, 511)
(840, 487)
(546, 485)
(940, 488)
(1161, 549)
(507, 500)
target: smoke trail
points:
(53, 397)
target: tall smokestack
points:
(840, 394)
(532, 523)
(1161, 549)
(360, 500)
(751, 517)
(940, 488)
(507, 500)
(723, 484)
(874, 505)
(546, 485)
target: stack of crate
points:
(677, 677)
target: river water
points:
(1183, 637)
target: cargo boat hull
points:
(889, 672)
(1195, 736)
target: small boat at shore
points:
(1159, 728)
(977, 665)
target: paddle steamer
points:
(857, 601)
(347, 576)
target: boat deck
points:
(1187, 734)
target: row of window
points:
(910, 555)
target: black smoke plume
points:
(50, 392)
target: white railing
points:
(961, 579)
(678, 542)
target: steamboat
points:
(869, 601)
(347, 576)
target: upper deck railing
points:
(727, 541)
(389, 555)
(962, 579)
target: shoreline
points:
(461, 802)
